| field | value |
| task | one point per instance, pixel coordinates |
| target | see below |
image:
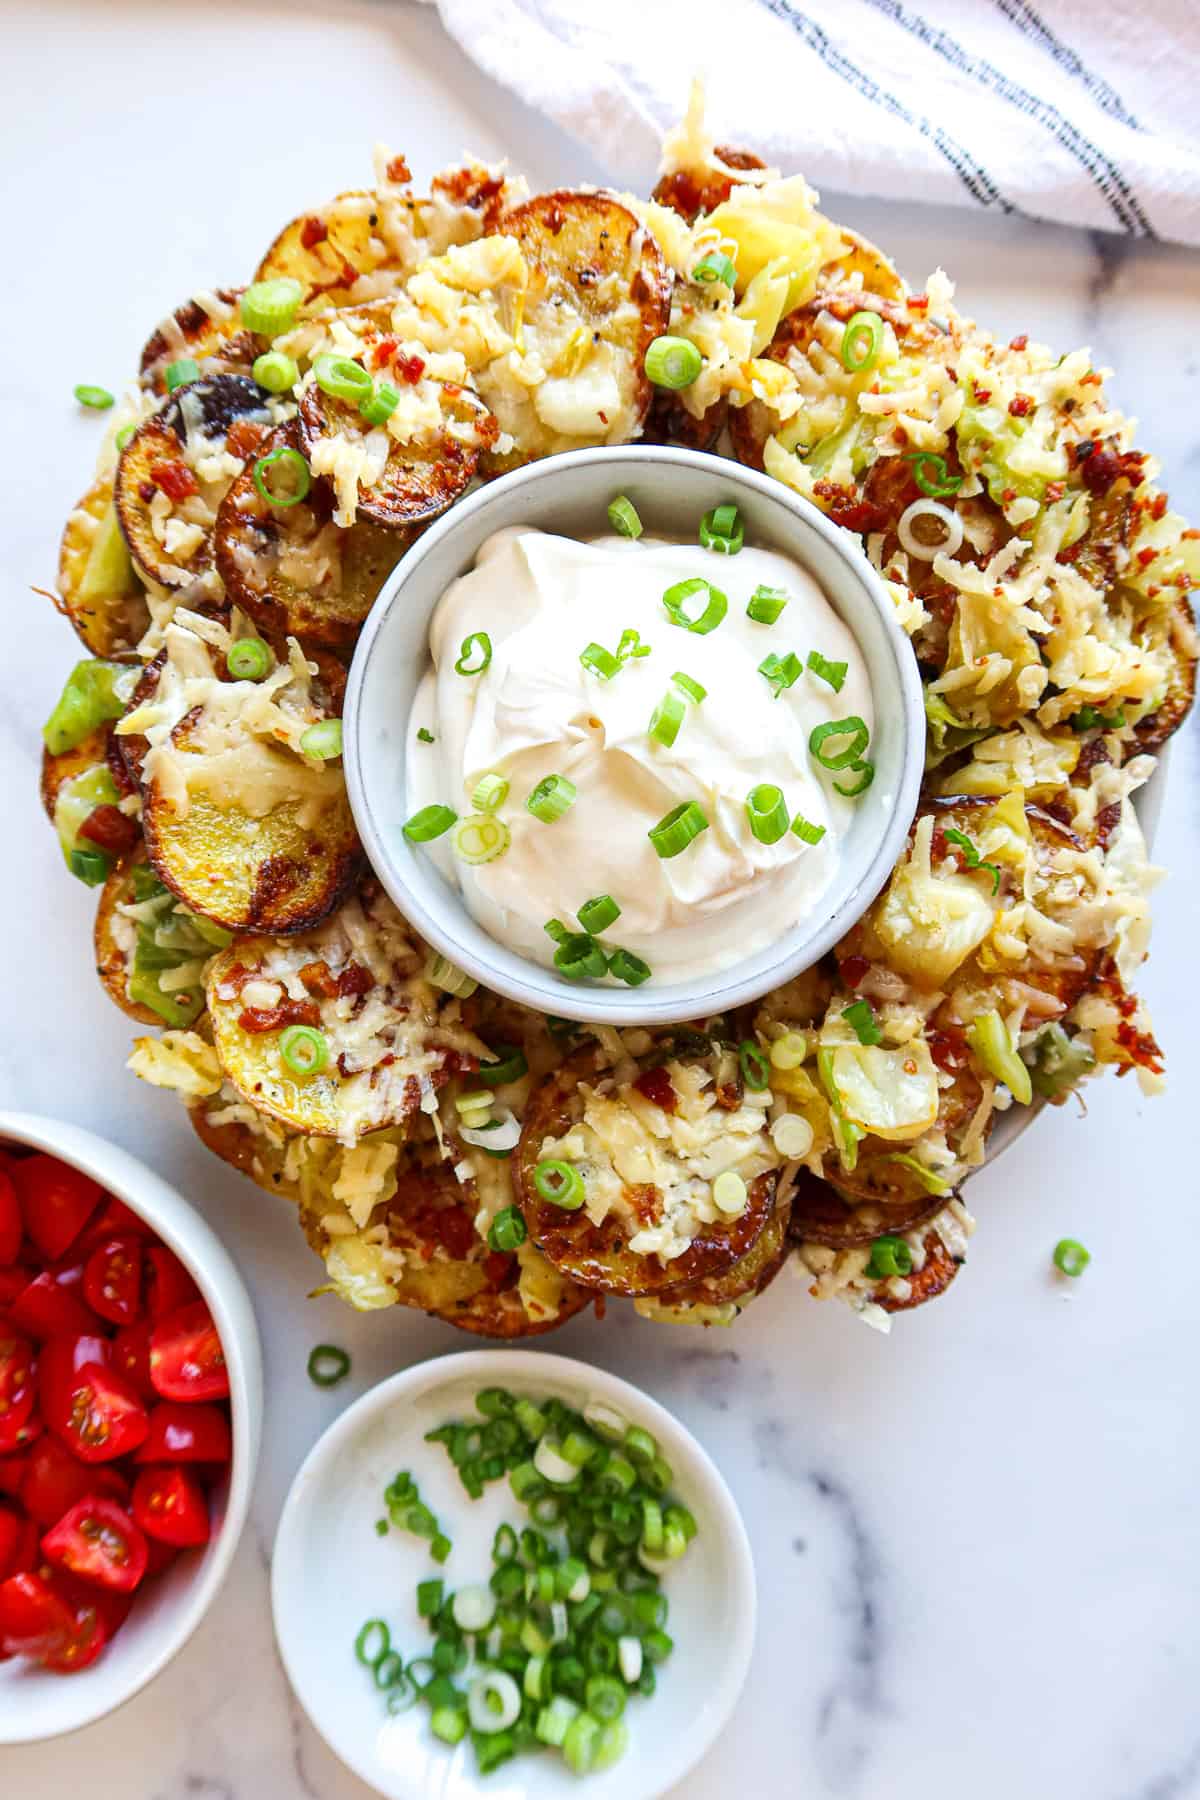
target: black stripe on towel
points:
(973, 176)
(1103, 171)
(1030, 24)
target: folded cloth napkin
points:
(1078, 110)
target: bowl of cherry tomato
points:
(130, 1421)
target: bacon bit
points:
(112, 829)
(1158, 507)
(319, 980)
(1140, 1047)
(952, 373)
(1107, 820)
(175, 479)
(900, 435)
(1146, 557)
(655, 1085)
(383, 352)
(500, 1270)
(918, 303)
(1089, 380)
(982, 396)
(1021, 405)
(1055, 490)
(1008, 496)
(410, 368)
(257, 1019)
(1192, 532)
(244, 436)
(853, 970)
(354, 979)
(349, 274)
(645, 1200)
(314, 231)
(948, 1050)
(451, 1227)
(398, 171)
(1019, 343)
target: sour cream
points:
(536, 710)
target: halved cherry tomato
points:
(10, 1539)
(115, 1219)
(160, 1557)
(12, 1471)
(27, 1553)
(60, 1360)
(56, 1201)
(98, 1542)
(112, 1279)
(131, 1355)
(14, 1281)
(96, 1413)
(54, 1482)
(186, 1358)
(12, 1227)
(170, 1504)
(186, 1434)
(168, 1284)
(52, 1304)
(41, 1617)
(18, 1387)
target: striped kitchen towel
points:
(1082, 111)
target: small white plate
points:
(331, 1573)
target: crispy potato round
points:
(329, 250)
(670, 422)
(67, 764)
(292, 569)
(1153, 731)
(599, 293)
(228, 411)
(690, 192)
(821, 1214)
(112, 959)
(598, 1256)
(924, 1284)
(97, 588)
(861, 257)
(738, 1285)
(422, 478)
(206, 328)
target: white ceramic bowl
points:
(569, 494)
(330, 1573)
(35, 1703)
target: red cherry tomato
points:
(18, 1386)
(160, 1557)
(42, 1618)
(186, 1358)
(168, 1284)
(52, 1304)
(115, 1219)
(96, 1413)
(60, 1360)
(98, 1542)
(12, 1471)
(12, 1227)
(54, 1482)
(11, 1523)
(28, 1552)
(169, 1504)
(14, 1281)
(112, 1279)
(131, 1356)
(186, 1434)
(56, 1202)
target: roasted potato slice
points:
(67, 764)
(292, 569)
(821, 1214)
(862, 258)
(691, 192)
(670, 422)
(114, 939)
(151, 960)
(600, 1251)
(599, 292)
(206, 328)
(97, 588)
(175, 470)
(1153, 731)
(334, 249)
(903, 1293)
(420, 477)
(718, 1299)
(358, 981)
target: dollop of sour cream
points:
(536, 710)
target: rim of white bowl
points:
(142, 1191)
(535, 986)
(492, 1368)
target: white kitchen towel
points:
(1083, 111)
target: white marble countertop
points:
(976, 1542)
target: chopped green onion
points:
(767, 812)
(276, 372)
(89, 866)
(756, 1069)
(123, 436)
(929, 1179)
(631, 645)
(304, 1049)
(1089, 718)
(624, 966)
(666, 719)
(623, 517)
(971, 852)
(560, 1183)
(489, 792)
(580, 958)
(989, 1038)
(729, 1194)
(765, 604)
(297, 478)
(372, 1643)
(1070, 1257)
(789, 1051)
(865, 771)
(889, 1256)
(447, 975)
(551, 798)
(597, 915)
(270, 307)
(556, 929)
(425, 737)
(322, 740)
(806, 830)
(378, 406)
(181, 372)
(481, 839)
(96, 399)
(1059, 1062)
(714, 610)
(510, 1065)
(714, 267)
(860, 1016)
(429, 1597)
(448, 1724)
(832, 672)
(249, 659)
(475, 653)
(342, 378)
(722, 531)
(688, 686)
(938, 483)
(853, 728)
(507, 1230)
(673, 362)
(600, 661)
(93, 693)
(781, 671)
(431, 822)
(862, 341)
(327, 1365)
(605, 1697)
(677, 829)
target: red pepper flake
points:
(656, 1086)
(952, 373)
(314, 231)
(1021, 405)
(918, 303)
(853, 969)
(982, 396)
(1158, 507)
(1146, 557)
(1009, 495)
(383, 352)
(1055, 490)
(1019, 343)
(175, 479)
(1140, 1047)
(398, 171)
(602, 416)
